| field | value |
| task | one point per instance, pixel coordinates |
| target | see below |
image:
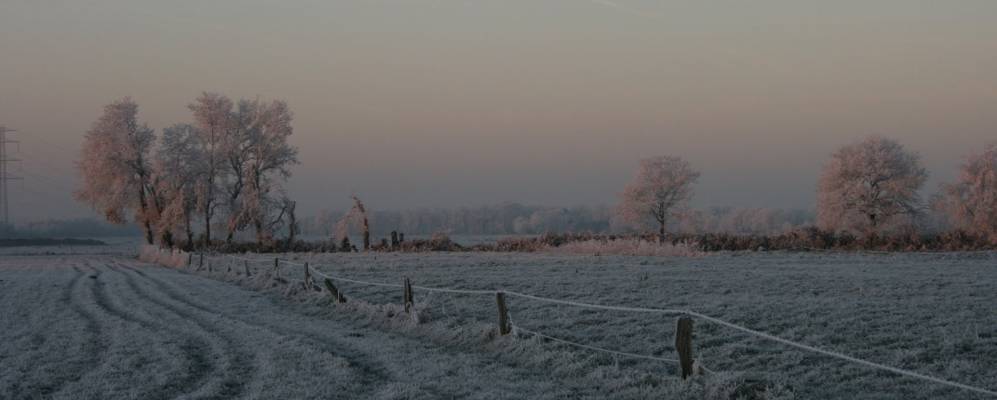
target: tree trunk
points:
(661, 232)
(144, 212)
(189, 231)
(258, 225)
(292, 226)
(366, 233)
(207, 226)
(233, 223)
(149, 236)
(167, 238)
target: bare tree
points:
(213, 119)
(280, 213)
(661, 189)
(869, 184)
(115, 166)
(236, 150)
(268, 159)
(356, 216)
(971, 202)
(176, 173)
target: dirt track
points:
(97, 327)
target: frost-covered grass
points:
(929, 313)
(80, 326)
(84, 326)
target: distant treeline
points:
(519, 219)
(21, 242)
(65, 228)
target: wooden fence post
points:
(683, 344)
(245, 265)
(407, 297)
(201, 263)
(503, 314)
(190, 259)
(336, 294)
(276, 267)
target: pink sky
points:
(448, 103)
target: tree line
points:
(518, 219)
(226, 167)
(868, 188)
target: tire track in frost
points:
(242, 364)
(199, 368)
(99, 345)
(91, 358)
(95, 345)
(102, 301)
(372, 374)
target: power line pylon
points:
(5, 176)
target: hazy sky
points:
(445, 103)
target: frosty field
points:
(99, 326)
(929, 313)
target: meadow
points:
(930, 313)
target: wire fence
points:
(500, 293)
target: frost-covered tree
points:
(236, 152)
(246, 157)
(213, 120)
(177, 167)
(659, 192)
(971, 202)
(116, 169)
(868, 185)
(267, 162)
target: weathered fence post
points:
(276, 267)
(683, 344)
(407, 297)
(245, 265)
(190, 259)
(503, 314)
(201, 263)
(336, 294)
(228, 267)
